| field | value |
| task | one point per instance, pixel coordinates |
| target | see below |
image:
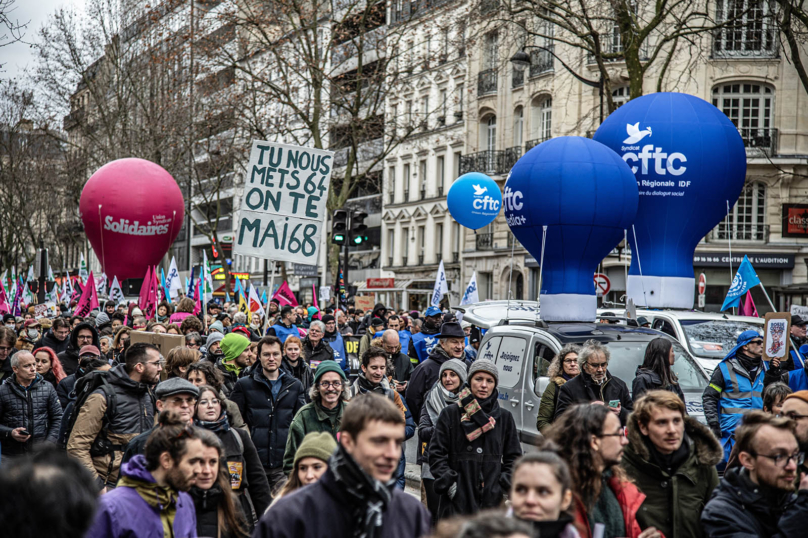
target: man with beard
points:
(667, 446)
(133, 413)
(235, 358)
(757, 499)
(177, 395)
(333, 338)
(356, 494)
(605, 500)
(329, 396)
(402, 366)
(285, 326)
(151, 498)
(735, 387)
(84, 334)
(56, 337)
(422, 343)
(452, 341)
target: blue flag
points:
(191, 284)
(745, 279)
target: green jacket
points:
(673, 504)
(310, 418)
(548, 404)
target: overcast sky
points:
(17, 56)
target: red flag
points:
(4, 306)
(198, 297)
(748, 306)
(88, 301)
(285, 296)
(143, 297)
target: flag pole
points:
(269, 295)
(767, 297)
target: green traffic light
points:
(358, 240)
(339, 237)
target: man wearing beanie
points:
(175, 394)
(477, 425)
(324, 413)
(213, 347)
(235, 358)
(269, 399)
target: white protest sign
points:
(283, 207)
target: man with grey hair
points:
(239, 318)
(595, 384)
(402, 365)
(30, 411)
(315, 349)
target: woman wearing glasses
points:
(324, 414)
(563, 368)
(241, 457)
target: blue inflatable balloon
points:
(586, 196)
(689, 160)
(474, 200)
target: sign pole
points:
(270, 294)
(767, 297)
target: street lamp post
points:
(521, 61)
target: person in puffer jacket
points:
(29, 404)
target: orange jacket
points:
(630, 499)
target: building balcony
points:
(759, 140)
(752, 233)
(541, 61)
(420, 259)
(487, 82)
(530, 144)
(517, 78)
(491, 162)
(745, 42)
(455, 257)
(484, 241)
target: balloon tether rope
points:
(639, 266)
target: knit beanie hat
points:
(325, 367)
(457, 366)
(484, 365)
(234, 345)
(213, 338)
(216, 326)
(318, 445)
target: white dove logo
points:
(634, 133)
(479, 191)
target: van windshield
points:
(713, 338)
(627, 356)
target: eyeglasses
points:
(191, 344)
(161, 362)
(782, 460)
(335, 384)
(571, 361)
(84, 338)
(599, 366)
(792, 415)
(621, 433)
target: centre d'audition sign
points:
(283, 206)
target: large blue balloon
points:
(690, 162)
(586, 196)
(474, 200)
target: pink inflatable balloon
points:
(132, 210)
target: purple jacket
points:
(122, 513)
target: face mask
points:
(33, 334)
(10, 325)
(255, 324)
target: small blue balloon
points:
(474, 200)
(690, 162)
(586, 196)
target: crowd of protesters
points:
(262, 427)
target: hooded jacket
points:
(674, 502)
(50, 340)
(36, 409)
(134, 415)
(480, 468)
(423, 378)
(70, 356)
(123, 513)
(739, 509)
(582, 388)
(269, 419)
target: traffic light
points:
(359, 239)
(358, 222)
(339, 226)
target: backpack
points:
(85, 386)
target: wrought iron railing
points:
(764, 140)
(530, 144)
(758, 233)
(486, 82)
(541, 61)
(517, 78)
(496, 162)
(484, 241)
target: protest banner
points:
(283, 206)
(365, 302)
(776, 329)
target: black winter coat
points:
(647, 380)
(65, 388)
(49, 340)
(268, 420)
(582, 389)
(423, 378)
(70, 356)
(230, 378)
(206, 504)
(320, 509)
(302, 372)
(481, 468)
(246, 471)
(322, 352)
(36, 409)
(737, 509)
